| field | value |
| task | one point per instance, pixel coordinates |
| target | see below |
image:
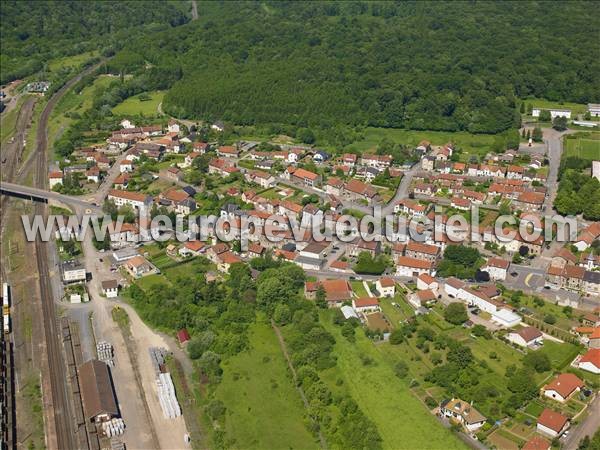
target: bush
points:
(401, 369)
(550, 319)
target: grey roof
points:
(591, 277)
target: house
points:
(124, 235)
(192, 248)
(55, 178)
(460, 203)
(452, 287)
(530, 201)
(110, 288)
(121, 182)
(413, 267)
(463, 413)
(360, 245)
(340, 266)
(552, 423)
(426, 189)
(93, 174)
(133, 199)
(410, 208)
(312, 256)
(526, 337)
(320, 156)
(563, 387)
(225, 260)
(594, 109)
(256, 250)
(349, 159)
(334, 186)
(173, 174)
(222, 167)
(366, 304)
(428, 162)
(594, 339)
(588, 236)
(261, 178)
(228, 151)
(126, 166)
(386, 286)
(218, 126)
(514, 172)
(422, 298)
(213, 252)
(563, 257)
(173, 126)
(183, 336)
(138, 266)
(303, 176)
(426, 252)
(537, 443)
(97, 392)
(336, 291)
(425, 281)
(357, 190)
(73, 271)
(497, 268)
(591, 282)
(590, 361)
(380, 162)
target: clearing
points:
(135, 105)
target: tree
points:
(456, 313)
(559, 123)
(545, 116)
(537, 361)
(282, 314)
(401, 369)
(529, 109)
(306, 135)
(460, 355)
(321, 297)
(550, 319)
(522, 108)
(537, 135)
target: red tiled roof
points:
(537, 443)
(553, 420)
(128, 195)
(406, 261)
(183, 336)
(498, 262)
(565, 384)
(592, 356)
(387, 282)
(364, 302)
(529, 333)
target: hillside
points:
(425, 65)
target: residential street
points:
(588, 427)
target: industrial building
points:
(99, 400)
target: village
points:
(379, 284)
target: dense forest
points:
(419, 65)
(34, 32)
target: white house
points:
(110, 288)
(497, 268)
(526, 337)
(386, 286)
(551, 423)
(55, 178)
(126, 166)
(563, 387)
(173, 126)
(425, 281)
(133, 199)
(366, 304)
(463, 413)
(126, 123)
(590, 361)
(413, 267)
(476, 298)
(594, 109)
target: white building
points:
(55, 178)
(590, 361)
(596, 169)
(133, 199)
(386, 286)
(463, 413)
(594, 109)
(366, 304)
(425, 281)
(73, 271)
(526, 337)
(563, 387)
(452, 286)
(553, 112)
(497, 268)
(110, 288)
(506, 318)
(551, 423)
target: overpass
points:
(42, 195)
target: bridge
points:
(42, 195)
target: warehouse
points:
(99, 402)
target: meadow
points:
(135, 105)
(264, 410)
(583, 145)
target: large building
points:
(99, 401)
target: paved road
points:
(44, 193)
(553, 140)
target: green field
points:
(584, 146)
(471, 143)
(358, 288)
(134, 106)
(264, 410)
(576, 108)
(403, 422)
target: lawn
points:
(263, 409)
(560, 354)
(358, 288)
(469, 143)
(583, 145)
(396, 314)
(402, 420)
(135, 106)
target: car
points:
(101, 260)
(514, 274)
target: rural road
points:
(588, 427)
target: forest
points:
(34, 32)
(420, 65)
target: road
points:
(44, 193)
(588, 427)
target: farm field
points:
(133, 106)
(264, 410)
(584, 146)
(402, 421)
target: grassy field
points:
(134, 106)
(358, 288)
(471, 143)
(584, 146)
(264, 410)
(403, 422)
(70, 61)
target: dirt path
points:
(294, 377)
